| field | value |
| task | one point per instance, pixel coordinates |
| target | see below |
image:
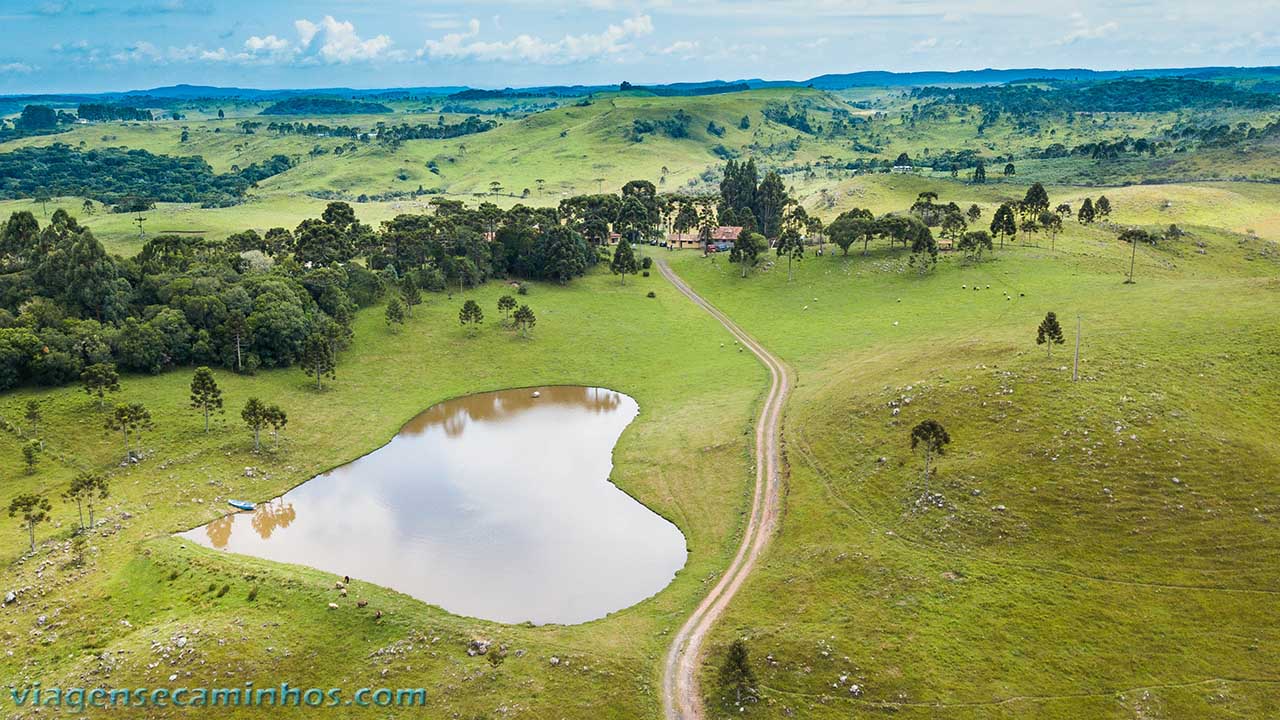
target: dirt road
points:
(681, 698)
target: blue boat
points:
(241, 504)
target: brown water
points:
(495, 506)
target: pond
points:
(495, 506)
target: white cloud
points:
(334, 41)
(327, 42)
(16, 68)
(612, 42)
(926, 44)
(1084, 31)
(684, 49)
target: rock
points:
(180, 642)
(998, 508)
(855, 690)
(249, 472)
(42, 619)
(554, 661)
(478, 647)
(976, 492)
(10, 596)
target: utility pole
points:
(139, 220)
(1075, 369)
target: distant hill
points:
(1260, 79)
(325, 106)
(994, 77)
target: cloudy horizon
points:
(101, 45)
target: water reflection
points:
(493, 505)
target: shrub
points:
(645, 273)
(646, 263)
(522, 289)
(651, 294)
(223, 590)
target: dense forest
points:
(287, 297)
(325, 106)
(103, 112)
(112, 174)
(1126, 95)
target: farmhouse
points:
(722, 238)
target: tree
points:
(85, 488)
(1049, 333)
(790, 246)
(980, 173)
(256, 415)
(974, 213)
(972, 244)
(1086, 214)
(31, 455)
(1063, 209)
(318, 358)
(127, 418)
(33, 509)
(33, 415)
(506, 304)
(98, 380)
(931, 438)
(1010, 170)
(470, 316)
(1134, 236)
(1103, 206)
(1036, 201)
(1051, 222)
(277, 419)
(395, 312)
(206, 396)
(746, 249)
(736, 675)
(1003, 223)
(524, 319)
(953, 226)
(624, 261)
(410, 293)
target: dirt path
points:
(681, 698)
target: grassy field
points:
(686, 457)
(1102, 548)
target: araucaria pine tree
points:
(1049, 333)
(736, 675)
(318, 359)
(624, 261)
(206, 396)
(470, 316)
(395, 312)
(524, 320)
(930, 437)
(506, 304)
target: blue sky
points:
(95, 45)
